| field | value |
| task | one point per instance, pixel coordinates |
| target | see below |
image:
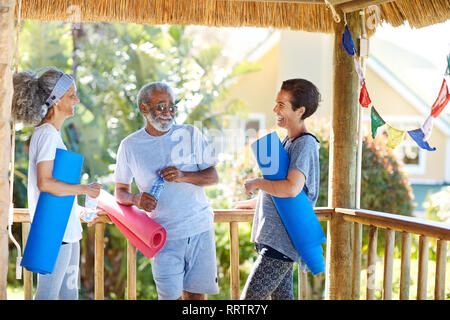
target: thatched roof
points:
(309, 15)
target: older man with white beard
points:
(185, 268)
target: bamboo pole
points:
(342, 166)
(423, 268)
(388, 264)
(99, 285)
(6, 53)
(234, 260)
(441, 260)
(405, 266)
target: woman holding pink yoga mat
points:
(45, 101)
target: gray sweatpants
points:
(62, 283)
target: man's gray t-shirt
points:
(183, 208)
(268, 228)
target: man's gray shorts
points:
(186, 264)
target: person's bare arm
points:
(246, 204)
(143, 200)
(204, 177)
(47, 183)
(289, 187)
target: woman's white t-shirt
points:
(44, 142)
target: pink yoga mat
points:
(143, 232)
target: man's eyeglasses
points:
(162, 107)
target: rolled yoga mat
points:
(142, 231)
(297, 214)
(51, 216)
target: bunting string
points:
(447, 73)
(396, 136)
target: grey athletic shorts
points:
(186, 264)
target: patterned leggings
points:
(269, 277)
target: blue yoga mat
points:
(51, 216)
(297, 214)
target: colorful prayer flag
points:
(376, 122)
(395, 136)
(427, 127)
(418, 136)
(364, 99)
(347, 42)
(441, 100)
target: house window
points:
(255, 123)
(238, 132)
(411, 154)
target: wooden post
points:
(357, 228)
(27, 275)
(131, 271)
(422, 276)
(372, 262)
(441, 260)
(234, 260)
(388, 264)
(342, 166)
(6, 90)
(356, 260)
(405, 267)
(303, 285)
(99, 286)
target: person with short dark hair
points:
(272, 272)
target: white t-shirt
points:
(44, 142)
(182, 208)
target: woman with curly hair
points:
(45, 101)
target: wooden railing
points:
(374, 220)
(425, 229)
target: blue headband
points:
(64, 83)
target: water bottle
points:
(157, 187)
(90, 212)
